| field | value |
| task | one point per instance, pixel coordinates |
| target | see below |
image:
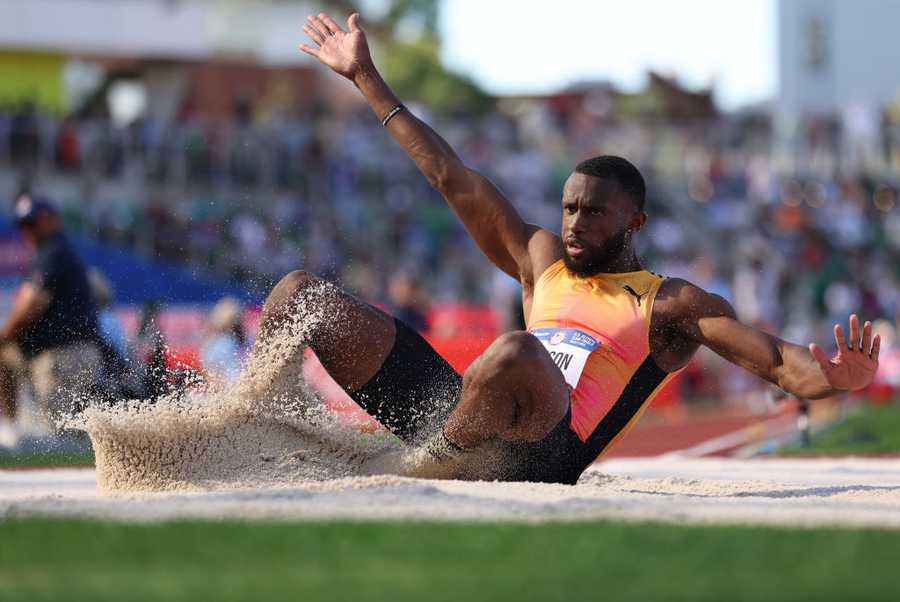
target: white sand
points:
(843, 492)
(268, 429)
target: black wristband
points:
(391, 115)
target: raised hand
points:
(855, 364)
(345, 52)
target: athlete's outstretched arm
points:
(489, 217)
(805, 372)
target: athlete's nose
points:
(577, 225)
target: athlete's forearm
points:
(711, 321)
(488, 216)
(799, 374)
(432, 155)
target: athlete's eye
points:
(597, 211)
(570, 209)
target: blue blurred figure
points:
(225, 347)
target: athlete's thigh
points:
(513, 391)
(541, 395)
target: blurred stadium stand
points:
(198, 155)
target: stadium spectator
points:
(407, 302)
(110, 327)
(223, 351)
(121, 375)
(775, 235)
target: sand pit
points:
(843, 492)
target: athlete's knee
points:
(514, 348)
(511, 351)
(296, 281)
(287, 289)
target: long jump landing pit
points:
(850, 492)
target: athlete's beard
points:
(597, 259)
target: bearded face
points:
(594, 259)
(598, 219)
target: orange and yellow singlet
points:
(597, 330)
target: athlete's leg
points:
(513, 392)
(350, 337)
(385, 366)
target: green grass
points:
(40, 459)
(871, 430)
(42, 559)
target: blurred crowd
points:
(795, 245)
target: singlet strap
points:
(640, 387)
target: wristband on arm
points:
(391, 115)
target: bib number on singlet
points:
(569, 348)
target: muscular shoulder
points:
(680, 303)
(544, 249)
(675, 333)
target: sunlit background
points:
(196, 154)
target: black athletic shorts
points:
(415, 391)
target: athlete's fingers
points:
(819, 356)
(876, 347)
(309, 50)
(353, 22)
(330, 24)
(313, 33)
(854, 332)
(839, 339)
(866, 345)
(320, 26)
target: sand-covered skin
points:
(843, 492)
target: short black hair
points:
(619, 170)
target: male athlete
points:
(603, 333)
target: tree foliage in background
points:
(415, 71)
(405, 35)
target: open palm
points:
(345, 52)
(855, 364)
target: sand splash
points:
(269, 429)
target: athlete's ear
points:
(638, 221)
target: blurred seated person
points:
(225, 346)
(109, 325)
(407, 302)
(122, 377)
(50, 337)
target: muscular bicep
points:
(709, 320)
(706, 319)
